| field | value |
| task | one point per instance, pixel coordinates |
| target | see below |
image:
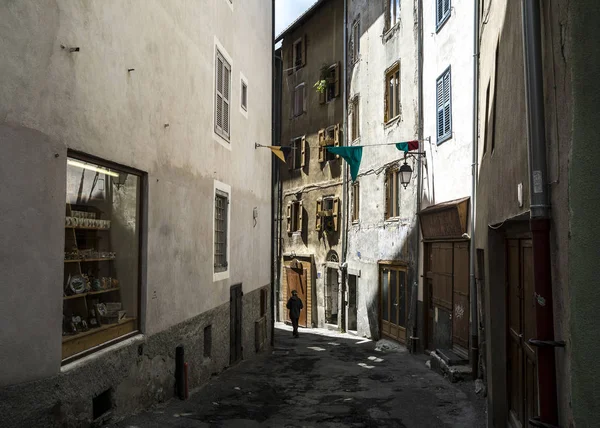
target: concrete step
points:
(455, 373)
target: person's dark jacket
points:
(295, 306)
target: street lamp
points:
(405, 174)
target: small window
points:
(392, 193)
(442, 12)
(392, 93)
(332, 90)
(328, 137)
(244, 96)
(221, 230)
(223, 90)
(327, 214)
(355, 118)
(355, 201)
(444, 107)
(393, 13)
(297, 157)
(299, 98)
(299, 54)
(355, 41)
(295, 216)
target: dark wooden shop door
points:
(522, 359)
(394, 302)
(235, 329)
(460, 294)
(296, 280)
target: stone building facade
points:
(312, 50)
(137, 218)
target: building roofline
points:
(300, 20)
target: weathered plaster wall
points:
(88, 101)
(584, 203)
(372, 238)
(502, 169)
(324, 46)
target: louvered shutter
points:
(319, 219)
(440, 10)
(440, 108)
(219, 91)
(226, 96)
(289, 217)
(321, 147)
(336, 211)
(446, 7)
(303, 160)
(300, 206)
(447, 105)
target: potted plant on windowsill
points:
(324, 79)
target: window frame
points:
(298, 62)
(440, 20)
(295, 217)
(441, 104)
(244, 95)
(355, 118)
(355, 202)
(222, 190)
(226, 66)
(392, 193)
(334, 85)
(391, 73)
(392, 17)
(296, 103)
(355, 40)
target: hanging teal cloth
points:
(407, 146)
(352, 155)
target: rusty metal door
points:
(296, 280)
(460, 303)
(521, 358)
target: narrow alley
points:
(323, 379)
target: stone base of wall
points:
(139, 372)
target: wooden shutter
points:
(304, 99)
(300, 216)
(336, 210)
(304, 51)
(290, 62)
(303, 161)
(289, 217)
(336, 138)
(321, 145)
(440, 107)
(337, 79)
(387, 186)
(386, 99)
(319, 219)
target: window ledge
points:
(444, 139)
(389, 33)
(392, 121)
(393, 219)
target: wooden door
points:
(521, 358)
(460, 303)
(297, 280)
(235, 329)
(441, 276)
(393, 302)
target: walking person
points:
(295, 306)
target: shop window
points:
(392, 193)
(295, 216)
(329, 137)
(101, 287)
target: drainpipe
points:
(274, 181)
(474, 327)
(414, 335)
(345, 172)
(539, 211)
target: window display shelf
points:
(90, 293)
(80, 342)
(90, 260)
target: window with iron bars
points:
(221, 230)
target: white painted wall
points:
(87, 101)
(372, 238)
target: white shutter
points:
(440, 107)
(447, 104)
(219, 90)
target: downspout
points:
(414, 335)
(273, 174)
(345, 172)
(540, 214)
(474, 327)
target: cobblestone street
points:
(324, 379)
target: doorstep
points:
(450, 365)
